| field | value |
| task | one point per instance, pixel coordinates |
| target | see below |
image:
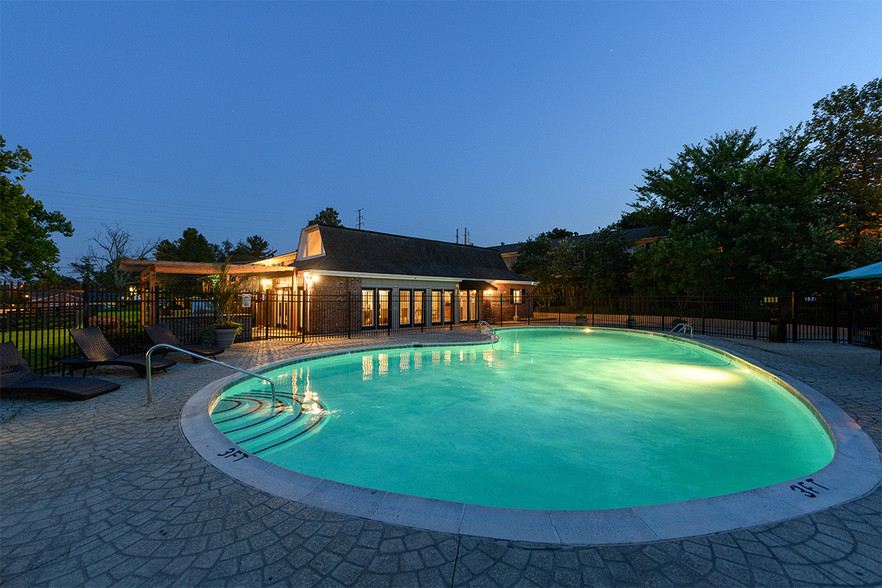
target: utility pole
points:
(465, 239)
(457, 236)
(360, 220)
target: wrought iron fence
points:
(38, 320)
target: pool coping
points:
(854, 472)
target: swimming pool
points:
(544, 419)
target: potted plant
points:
(223, 296)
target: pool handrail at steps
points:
(483, 323)
(682, 328)
(197, 356)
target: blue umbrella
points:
(874, 270)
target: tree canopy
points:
(191, 246)
(846, 128)
(327, 217)
(27, 251)
(254, 248)
(743, 213)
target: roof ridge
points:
(404, 237)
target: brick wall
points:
(334, 305)
(500, 302)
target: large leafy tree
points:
(846, 128)
(744, 214)
(27, 251)
(327, 217)
(604, 261)
(549, 259)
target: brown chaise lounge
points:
(17, 376)
(161, 335)
(98, 351)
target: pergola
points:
(148, 268)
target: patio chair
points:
(98, 351)
(161, 334)
(17, 376)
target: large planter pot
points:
(223, 338)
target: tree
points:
(549, 259)
(846, 128)
(27, 250)
(328, 217)
(745, 214)
(192, 246)
(605, 261)
(254, 248)
(105, 251)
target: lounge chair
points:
(98, 351)
(161, 334)
(17, 376)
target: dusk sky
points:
(506, 118)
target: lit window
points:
(404, 307)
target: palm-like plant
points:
(224, 297)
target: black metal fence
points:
(38, 320)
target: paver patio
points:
(108, 492)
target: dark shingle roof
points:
(352, 250)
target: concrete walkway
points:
(108, 492)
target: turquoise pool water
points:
(546, 418)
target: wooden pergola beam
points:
(146, 266)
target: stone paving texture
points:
(107, 492)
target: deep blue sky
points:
(506, 118)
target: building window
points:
(367, 308)
(448, 306)
(463, 306)
(404, 307)
(516, 296)
(383, 297)
(436, 306)
(418, 317)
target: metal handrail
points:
(190, 353)
(489, 328)
(681, 328)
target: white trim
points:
(407, 277)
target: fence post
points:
(793, 316)
(349, 314)
(302, 315)
(703, 312)
(835, 307)
(154, 315)
(85, 302)
(754, 308)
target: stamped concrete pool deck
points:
(109, 492)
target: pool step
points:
(252, 421)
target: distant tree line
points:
(740, 213)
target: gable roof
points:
(367, 252)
